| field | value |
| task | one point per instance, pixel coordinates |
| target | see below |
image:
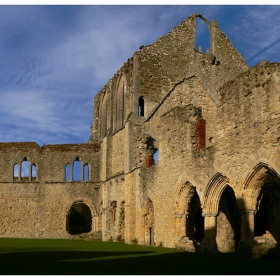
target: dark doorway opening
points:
(196, 224)
(141, 107)
(267, 218)
(228, 222)
(79, 219)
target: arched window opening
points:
(156, 154)
(86, 172)
(120, 104)
(79, 219)
(141, 107)
(67, 172)
(24, 170)
(77, 170)
(202, 36)
(33, 172)
(103, 118)
(200, 134)
(15, 172)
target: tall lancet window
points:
(141, 107)
(120, 104)
(103, 118)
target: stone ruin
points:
(184, 152)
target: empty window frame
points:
(77, 165)
(141, 107)
(15, 172)
(24, 176)
(67, 172)
(33, 172)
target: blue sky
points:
(54, 59)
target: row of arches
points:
(24, 171)
(228, 216)
(77, 171)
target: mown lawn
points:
(72, 257)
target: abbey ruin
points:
(184, 152)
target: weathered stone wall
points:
(37, 208)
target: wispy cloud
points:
(54, 59)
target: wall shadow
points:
(131, 263)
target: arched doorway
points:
(228, 222)
(267, 217)
(79, 219)
(261, 212)
(188, 222)
(196, 220)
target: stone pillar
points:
(208, 244)
(82, 171)
(19, 171)
(181, 233)
(210, 226)
(179, 226)
(247, 224)
(247, 241)
(71, 171)
(29, 171)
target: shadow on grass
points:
(131, 263)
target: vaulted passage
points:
(79, 219)
(267, 217)
(228, 222)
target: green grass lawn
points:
(72, 257)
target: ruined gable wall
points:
(173, 127)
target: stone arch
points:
(213, 193)
(103, 116)
(92, 219)
(77, 169)
(252, 185)
(34, 172)
(188, 221)
(148, 225)
(260, 204)
(120, 103)
(24, 170)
